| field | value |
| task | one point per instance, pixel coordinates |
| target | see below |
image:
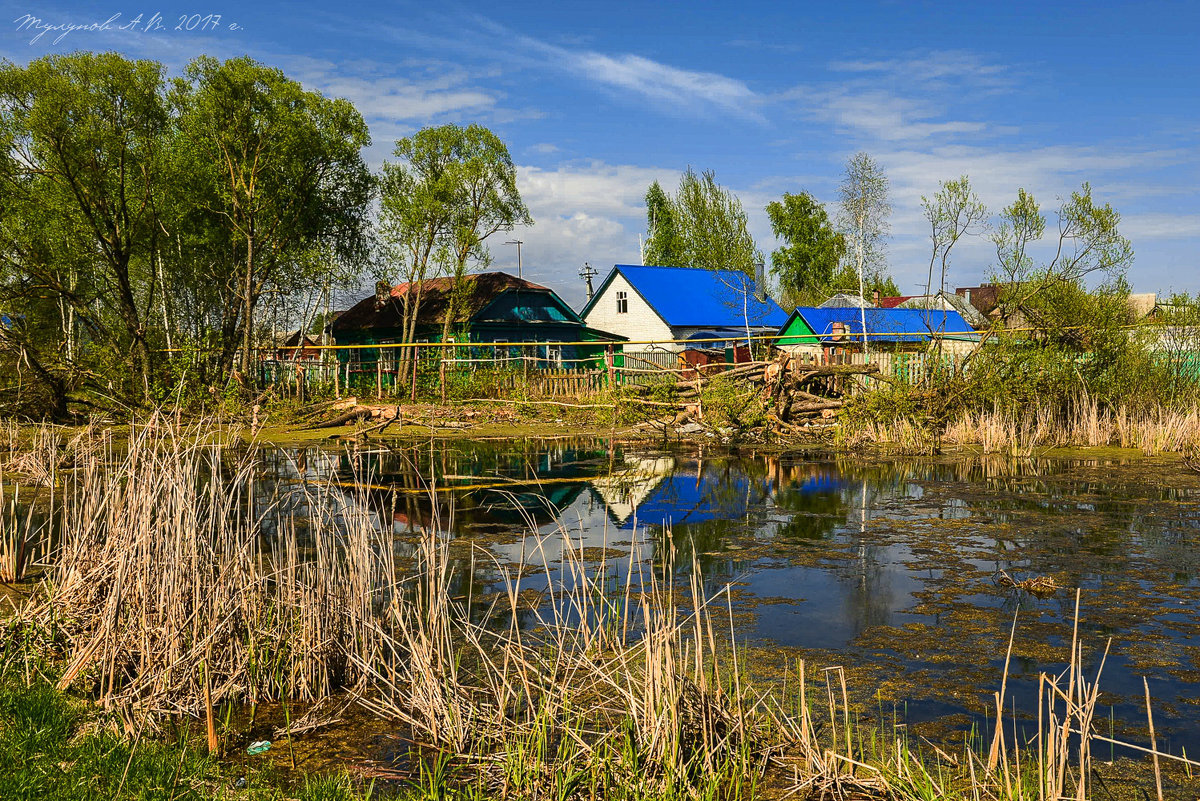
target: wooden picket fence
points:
(555, 383)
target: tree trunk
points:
(248, 309)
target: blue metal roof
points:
(894, 325)
(689, 296)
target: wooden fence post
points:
(610, 361)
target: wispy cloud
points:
(689, 91)
(943, 67)
(674, 89)
(1161, 225)
(883, 116)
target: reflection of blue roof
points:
(682, 499)
(894, 325)
(688, 296)
(819, 485)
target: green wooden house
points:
(491, 311)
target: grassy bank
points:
(165, 599)
(58, 747)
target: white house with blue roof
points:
(666, 305)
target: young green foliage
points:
(812, 249)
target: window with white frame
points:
(622, 303)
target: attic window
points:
(622, 303)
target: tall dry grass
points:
(1159, 430)
(165, 593)
(161, 581)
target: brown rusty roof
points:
(479, 290)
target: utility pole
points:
(586, 274)
(518, 243)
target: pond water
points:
(885, 566)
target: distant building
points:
(939, 300)
(292, 349)
(845, 300)
(662, 304)
(985, 298)
(811, 327)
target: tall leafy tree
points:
(806, 262)
(449, 190)
(83, 139)
(713, 225)
(663, 244)
(483, 180)
(703, 225)
(281, 170)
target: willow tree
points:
(703, 225)
(450, 189)
(280, 170)
(664, 246)
(1087, 242)
(81, 145)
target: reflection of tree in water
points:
(510, 484)
(813, 494)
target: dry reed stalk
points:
(1153, 742)
(162, 559)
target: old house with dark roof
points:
(492, 308)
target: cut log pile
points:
(793, 393)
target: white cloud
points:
(1160, 225)
(935, 67)
(683, 90)
(590, 211)
(882, 115)
(426, 91)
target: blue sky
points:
(597, 99)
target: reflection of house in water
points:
(626, 488)
(479, 486)
(683, 491)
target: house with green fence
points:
(490, 320)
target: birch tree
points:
(863, 217)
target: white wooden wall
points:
(639, 324)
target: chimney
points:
(760, 283)
(875, 298)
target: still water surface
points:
(887, 567)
